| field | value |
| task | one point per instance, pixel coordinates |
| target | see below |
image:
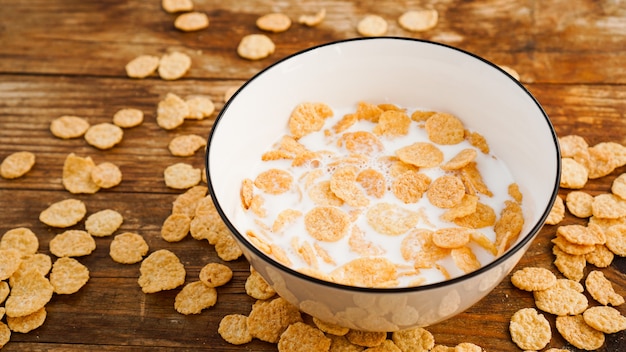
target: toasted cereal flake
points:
(10, 260)
(561, 299)
(601, 256)
(174, 65)
(618, 187)
(600, 162)
(444, 128)
(608, 206)
(367, 111)
(341, 344)
(557, 213)
(573, 174)
(483, 216)
(366, 338)
(328, 224)
(416, 340)
(373, 182)
(246, 192)
(106, 175)
(175, 227)
(161, 270)
(233, 328)
(478, 141)
(392, 123)
(104, 135)
(227, 248)
(103, 223)
(483, 241)
(410, 186)
(5, 334)
(257, 287)
(28, 294)
(187, 203)
(27, 323)
(460, 160)
(616, 239)
(601, 289)
(420, 154)
(330, 328)
(207, 223)
(195, 297)
(199, 107)
(616, 150)
(171, 112)
(215, 274)
(72, 243)
(186, 145)
(367, 272)
(255, 47)
(66, 127)
(529, 329)
(284, 218)
(64, 213)
(465, 259)
(467, 206)
(40, 262)
(346, 122)
(274, 181)
(192, 21)
(142, 66)
(314, 19)
(579, 204)
(606, 319)
(572, 145)
(391, 219)
(4, 292)
(580, 234)
(361, 142)
(509, 226)
(128, 117)
(422, 115)
(68, 275)
(21, 238)
(173, 6)
(269, 319)
(128, 248)
(229, 92)
(17, 164)
(181, 176)
(302, 337)
(570, 265)
(372, 26)
(575, 331)
(274, 22)
(308, 117)
(533, 279)
(361, 245)
(446, 191)
(77, 175)
(419, 20)
(473, 180)
(572, 248)
(451, 237)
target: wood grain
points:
(64, 57)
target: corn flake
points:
(28, 294)
(308, 117)
(390, 219)
(372, 26)
(195, 297)
(274, 181)
(68, 275)
(67, 127)
(142, 66)
(106, 175)
(575, 331)
(72, 243)
(529, 329)
(127, 118)
(21, 238)
(269, 319)
(17, 165)
(27, 323)
(605, 319)
(255, 47)
(192, 21)
(77, 175)
(171, 112)
(420, 154)
(174, 65)
(181, 176)
(63, 213)
(104, 135)
(186, 145)
(215, 274)
(601, 289)
(274, 22)
(161, 270)
(419, 20)
(128, 248)
(233, 328)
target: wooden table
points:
(64, 57)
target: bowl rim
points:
(532, 233)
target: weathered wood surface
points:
(63, 57)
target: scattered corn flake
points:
(600, 163)
(605, 319)
(207, 223)
(361, 245)
(385, 346)
(483, 241)
(415, 339)
(192, 21)
(256, 286)
(128, 117)
(570, 265)
(608, 206)
(601, 256)
(29, 322)
(40, 262)
(327, 224)
(573, 174)
(10, 259)
(227, 248)
(446, 191)
(367, 272)
(72, 243)
(173, 6)
(360, 142)
(64, 213)
(473, 180)
(174, 65)
(302, 337)
(557, 213)
(579, 204)
(194, 297)
(601, 289)
(533, 279)
(255, 47)
(229, 92)
(77, 175)
(616, 239)
(68, 275)
(410, 186)
(171, 112)
(444, 128)
(460, 160)
(233, 328)
(616, 150)
(392, 123)
(420, 154)
(128, 248)
(161, 270)
(465, 259)
(186, 145)
(509, 226)
(419, 20)
(5, 334)
(4, 291)
(483, 216)
(330, 328)
(106, 175)
(103, 223)
(575, 331)
(200, 107)
(67, 127)
(269, 319)
(391, 219)
(104, 135)
(17, 164)
(572, 248)
(451, 237)
(581, 234)
(175, 227)
(422, 115)
(308, 117)
(467, 206)
(368, 111)
(572, 145)
(181, 176)
(215, 274)
(274, 22)
(341, 344)
(284, 218)
(142, 66)
(529, 329)
(312, 20)
(28, 294)
(561, 299)
(187, 203)
(246, 192)
(477, 140)
(366, 338)
(21, 238)
(274, 181)
(372, 26)
(373, 182)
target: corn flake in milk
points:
(380, 197)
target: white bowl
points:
(400, 71)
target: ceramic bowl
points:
(399, 71)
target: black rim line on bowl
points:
(530, 235)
